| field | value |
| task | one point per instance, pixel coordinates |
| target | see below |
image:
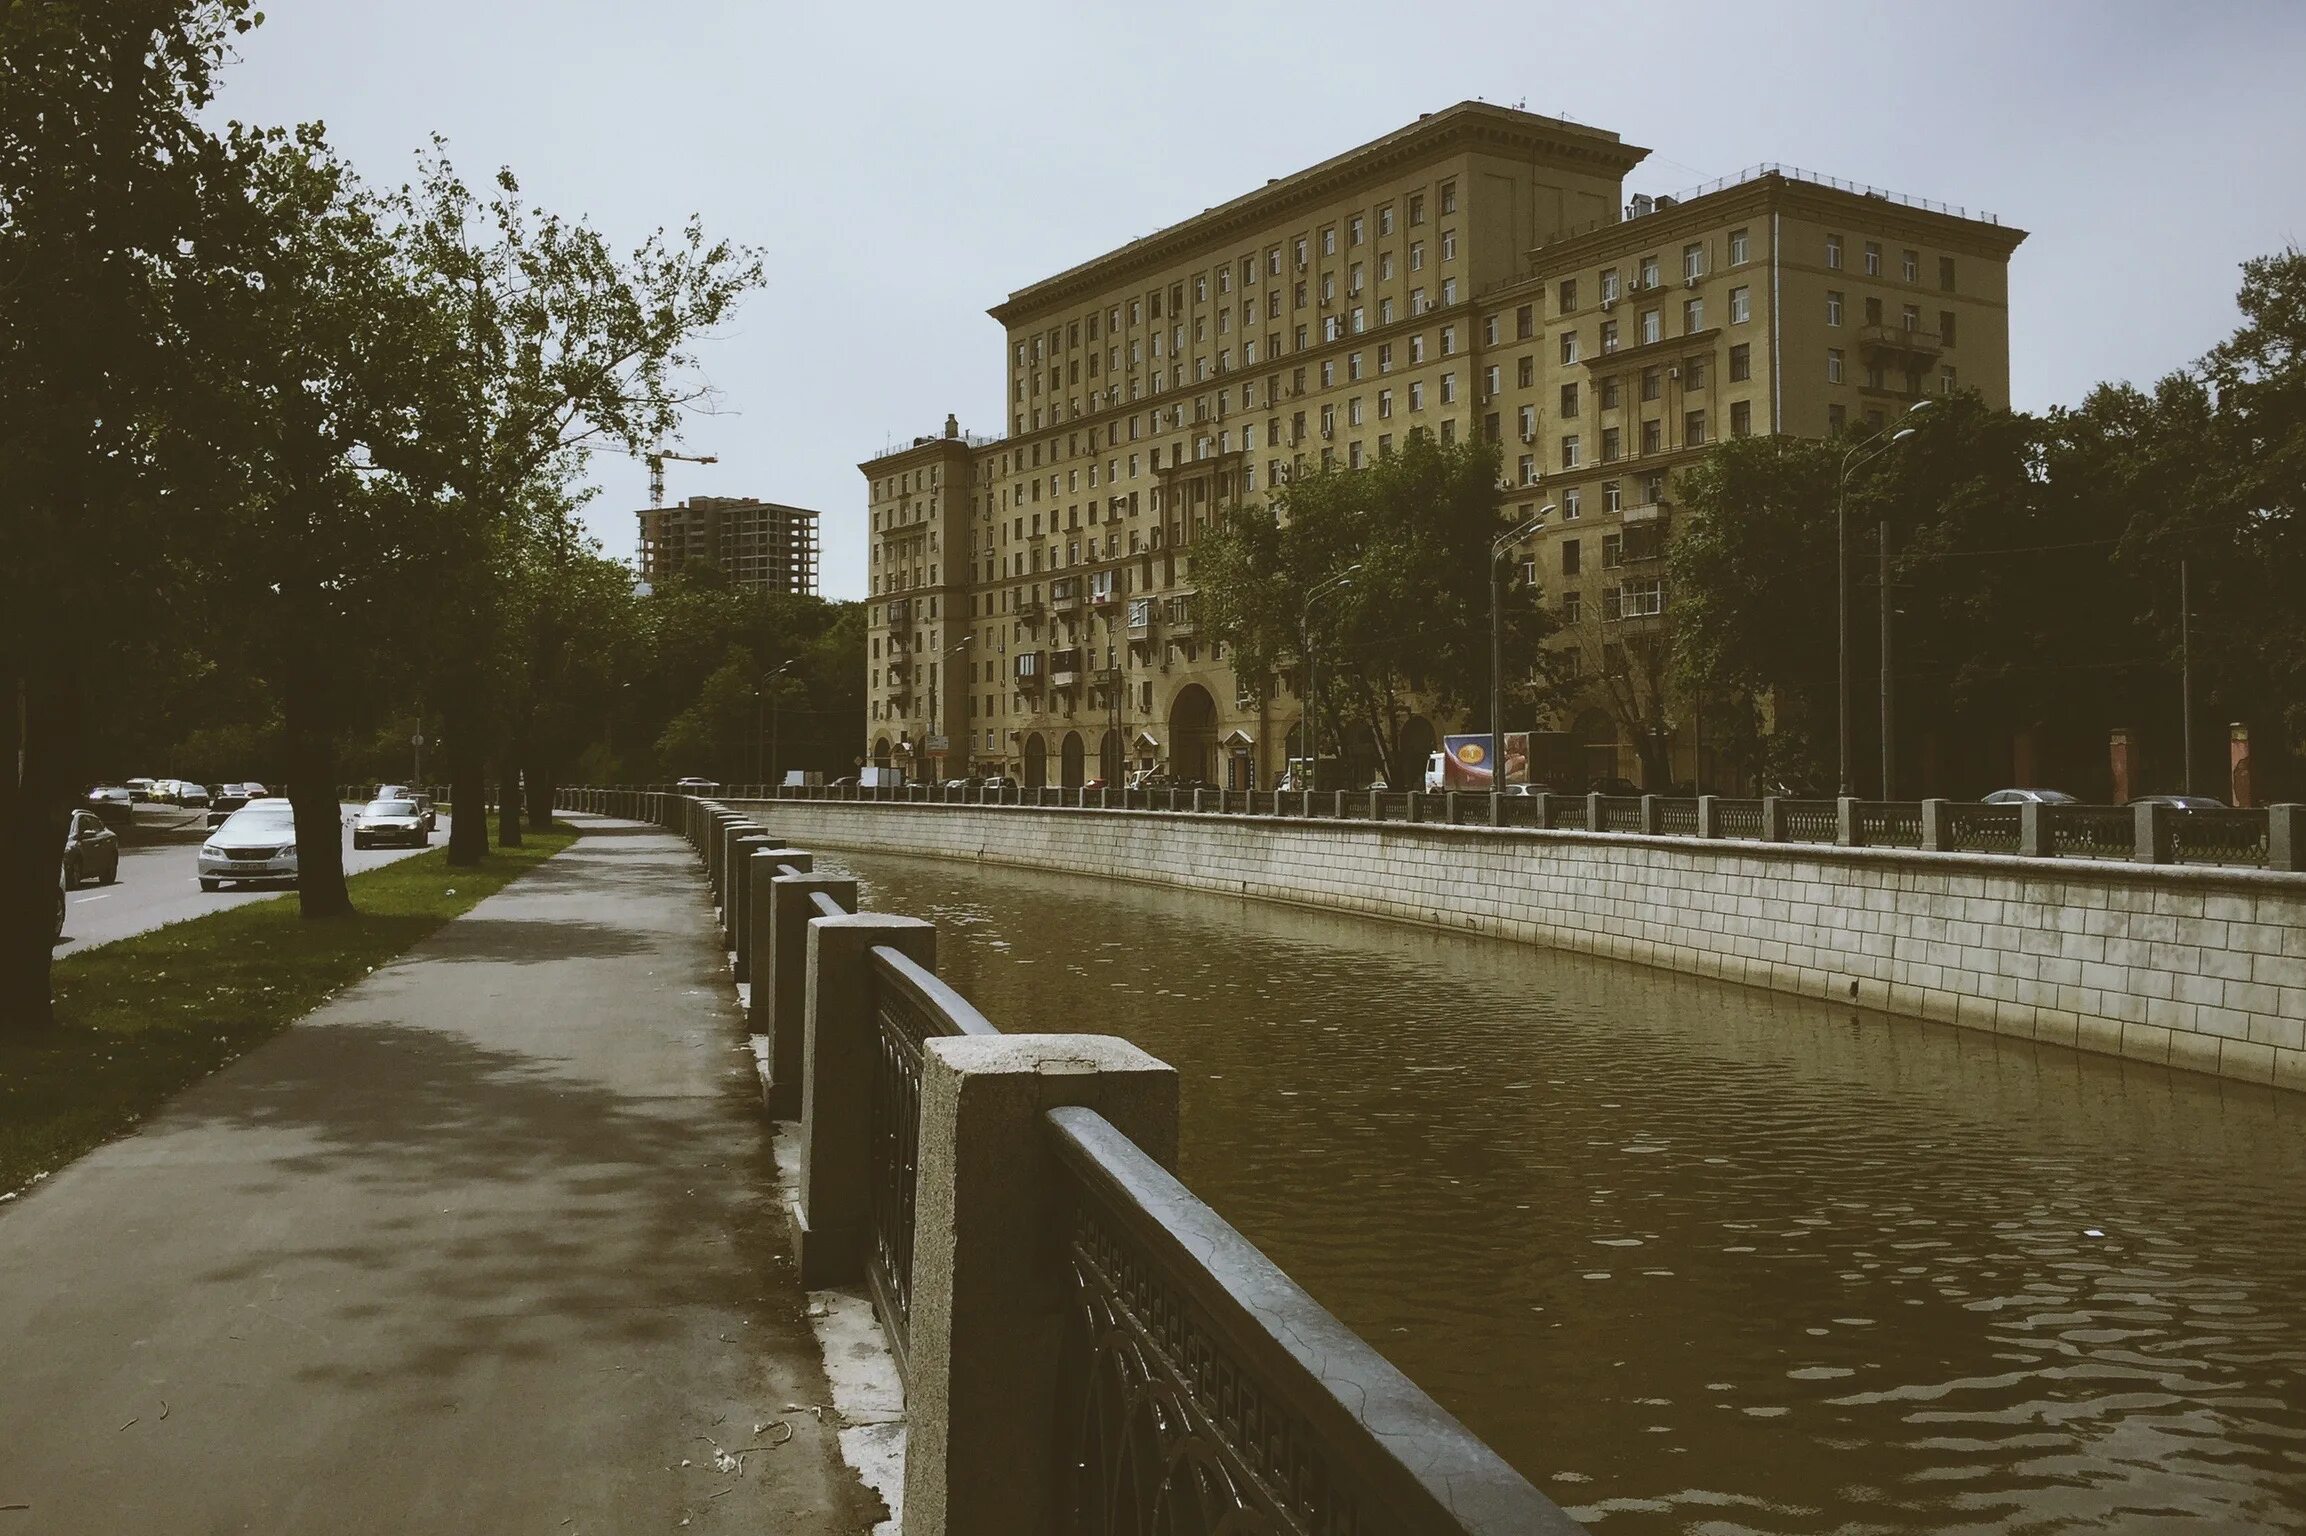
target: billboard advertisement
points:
(1466, 762)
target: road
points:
(160, 885)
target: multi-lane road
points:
(161, 884)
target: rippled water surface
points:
(1700, 1259)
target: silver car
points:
(256, 842)
(390, 821)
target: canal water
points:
(1697, 1258)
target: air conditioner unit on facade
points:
(1529, 437)
(1608, 304)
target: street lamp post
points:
(1857, 457)
(1497, 550)
(1312, 730)
(763, 698)
(966, 641)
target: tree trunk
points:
(538, 783)
(467, 782)
(42, 731)
(508, 802)
(306, 718)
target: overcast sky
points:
(901, 167)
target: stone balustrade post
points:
(992, 1290)
(831, 1218)
(1449, 806)
(780, 1008)
(2154, 839)
(1936, 829)
(1416, 807)
(1595, 817)
(1849, 826)
(737, 914)
(732, 827)
(1337, 811)
(1709, 816)
(1652, 816)
(2286, 837)
(1545, 811)
(1200, 805)
(1773, 819)
(761, 871)
(1497, 798)
(1377, 805)
(2033, 830)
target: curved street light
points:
(1497, 549)
(1856, 458)
(1317, 591)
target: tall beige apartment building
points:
(1480, 271)
(755, 543)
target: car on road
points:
(424, 808)
(113, 803)
(140, 790)
(384, 823)
(91, 851)
(255, 842)
(2183, 802)
(694, 785)
(2028, 797)
(229, 798)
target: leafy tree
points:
(1412, 631)
(105, 172)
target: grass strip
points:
(142, 1017)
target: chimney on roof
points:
(952, 425)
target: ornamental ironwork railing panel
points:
(1811, 821)
(1566, 813)
(1517, 811)
(2092, 831)
(2219, 837)
(1203, 1393)
(1982, 828)
(1677, 818)
(1890, 823)
(909, 1006)
(1620, 813)
(1738, 818)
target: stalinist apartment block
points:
(1480, 271)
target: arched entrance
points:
(881, 753)
(1418, 744)
(1193, 735)
(1109, 759)
(1036, 761)
(1069, 761)
(1596, 737)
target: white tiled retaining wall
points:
(2195, 968)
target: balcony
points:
(1647, 512)
(1064, 668)
(1029, 670)
(1895, 342)
(1065, 598)
(1031, 609)
(1105, 677)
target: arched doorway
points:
(1109, 759)
(881, 753)
(1069, 761)
(1596, 737)
(1418, 744)
(1036, 761)
(1193, 735)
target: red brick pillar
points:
(2238, 764)
(2121, 759)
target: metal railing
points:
(1890, 823)
(2092, 831)
(909, 1005)
(2220, 837)
(1185, 1412)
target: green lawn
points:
(144, 1016)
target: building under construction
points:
(754, 543)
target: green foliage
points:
(1412, 630)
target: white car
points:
(390, 821)
(256, 842)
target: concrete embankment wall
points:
(2193, 968)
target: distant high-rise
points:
(754, 543)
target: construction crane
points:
(656, 463)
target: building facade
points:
(762, 544)
(1477, 272)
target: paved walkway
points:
(488, 1244)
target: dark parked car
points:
(229, 798)
(2028, 797)
(91, 851)
(1616, 789)
(112, 803)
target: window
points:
(1946, 384)
(1571, 500)
(1649, 272)
(1529, 423)
(1384, 404)
(1570, 457)
(1354, 230)
(1417, 394)
(1416, 209)
(1873, 258)
(1652, 325)
(1449, 389)
(1612, 392)
(1417, 304)
(1834, 252)
(1911, 266)
(1612, 551)
(1609, 286)
(1833, 306)
(1528, 469)
(1525, 322)
(1329, 241)
(1608, 337)
(1741, 363)
(1692, 428)
(1692, 316)
(1946, 326)
(1566, 294)
(1352, 365)
(1385, 266)
(1873, 311)
(1417, 347)
(1449, 197)
(1449, 245)
(1569, 401)
(1693, 374)
(1525, 371)
(1572, 609)
(1612, 445)
(1489, 331)
(1612, 608)
(1385, 220)
(1741, 305)
(1416, 255)
(1652, 437)
(1449, 341)
(1353, 412)
(1910, 317)
(1490, 380)
(1385, 311)
(1568, 347)
(1693, 260)
(1612, 497)
(1570, 565)
(1741, 418)
(1741, 248)
(1946, 273)
(1649, 383)
(1833, 365)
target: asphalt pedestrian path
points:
(489, 1243)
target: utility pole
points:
(1889, 761)
(1497, 549)
(2186, 670)
(1862, 454)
